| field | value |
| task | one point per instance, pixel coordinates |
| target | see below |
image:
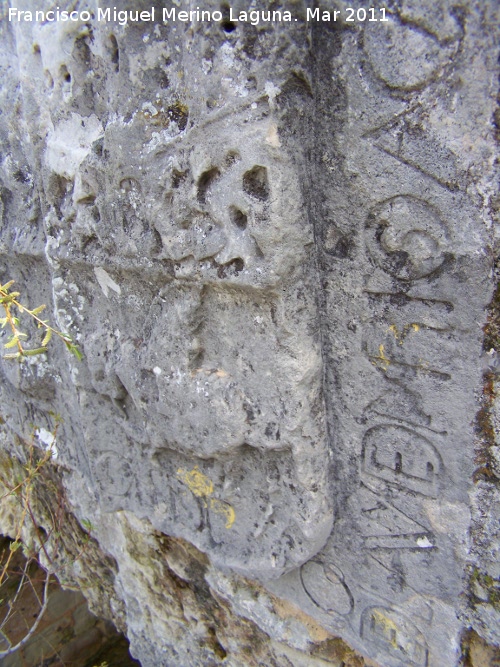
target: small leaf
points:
(37, 310)
(13, 341)
(87, 525)
(76, 351)
(35, 351)
(14, 546)
(16, 355)
(47, 337)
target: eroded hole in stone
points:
(178, 177)
(87, 200)
(157, 242)
(238, 218)
(82, 52)
(398, 462)
(297, 85)
(337, 244)
(237, 265)
(233, 267)
(179, 113)
(121, 398)
(97, 147)
(88, 241)
(65, 75)
(232, 158)
(130, 221)
(149, 381)
(215, 645)
(251, 83)
(228, 26)
(114, 52)
(255, 183)
(22, 176)
(397, 260)
(205, 182)
(159, 75)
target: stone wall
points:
(275, 246)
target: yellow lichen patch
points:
(198, 483)
(221, 507)
(202, 486)
(381, 360)
(386, 626)
(401, 335)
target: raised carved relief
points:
(218, 209)
(211, 329)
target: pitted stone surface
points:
(273, 244)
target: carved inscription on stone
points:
(324, 584)
(395, 635)
(403, 458)
(402, 306)
(406, 238)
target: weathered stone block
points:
(274, 245)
